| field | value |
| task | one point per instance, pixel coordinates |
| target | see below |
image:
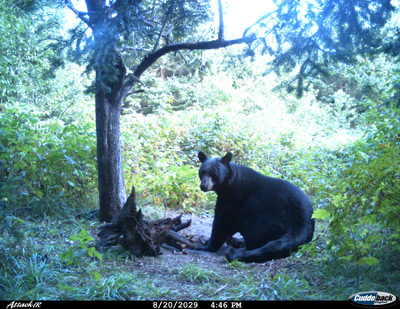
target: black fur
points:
(273, 215)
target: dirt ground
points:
(201, 227)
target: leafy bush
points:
(44, 163)
(75, 257)
(361, 200)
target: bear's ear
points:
(202, 156)
(227, 158)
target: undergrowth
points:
(34, 269)
(48, 176)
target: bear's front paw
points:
(202, 248)
(234, 254)
(206, 248)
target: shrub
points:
(44, 163)
(362, 203)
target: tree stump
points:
(141, 237)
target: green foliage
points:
(308, 37)
(44, 162)
(352, 178)
(28, 64)
(193, 273)
(263, 130)
(367, 79)
(26, 276)
(361, 201)
(136, 28)
(14, 234)
(48, 157)
(74, 256)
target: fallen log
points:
(181, 226)
(143, 237)
(175, 237)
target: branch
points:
(81, 15)
(219, 43)
(151, 58)
(127, 85)
(221, 22)
(171, 42)
(162, 29)
(131, 79)
(258, 21)
(216, 44)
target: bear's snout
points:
(206, 184)
(203, 188)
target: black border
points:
(172, 304)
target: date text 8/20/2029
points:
(197, 305)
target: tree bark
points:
(110, 73)
(112, 193)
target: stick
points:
(179, 238)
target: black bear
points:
(272, 215)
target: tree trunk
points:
(112, 193)
(110, 72)
(113, 84)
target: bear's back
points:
(247, 182)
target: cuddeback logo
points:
(373, 298)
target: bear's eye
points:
(213, 176)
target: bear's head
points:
(214, 172)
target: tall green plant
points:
(44, 163)
(362, 199)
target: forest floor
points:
(37, 268)
(193, 274)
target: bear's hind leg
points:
(275, 249)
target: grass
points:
(32, 269)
